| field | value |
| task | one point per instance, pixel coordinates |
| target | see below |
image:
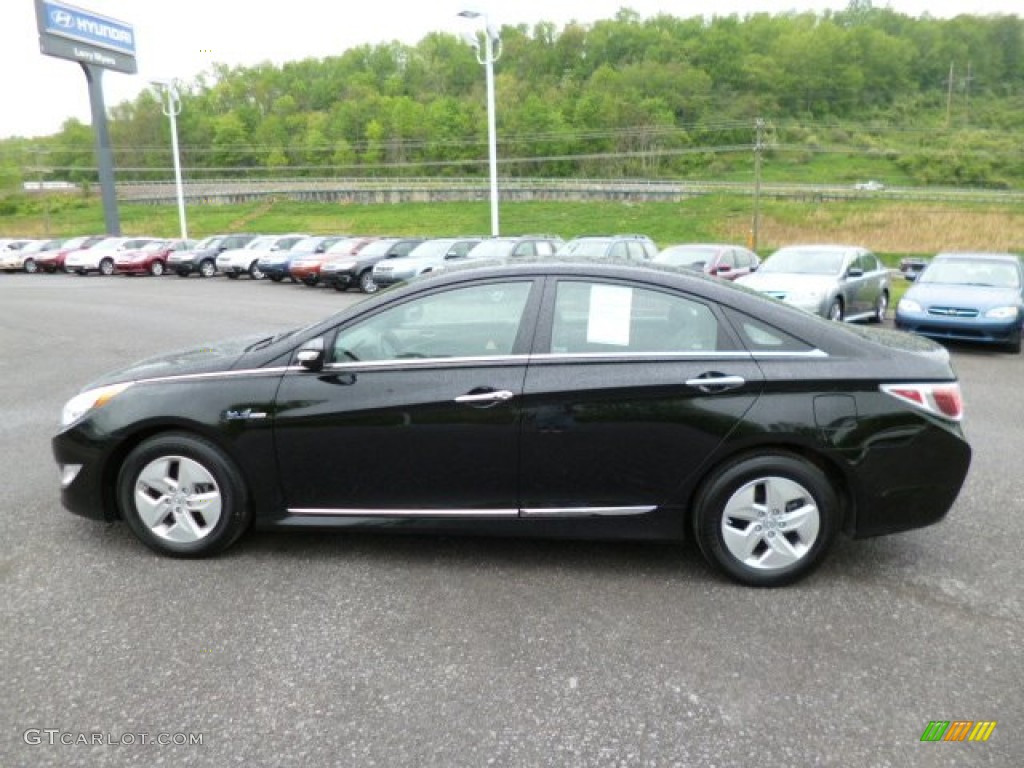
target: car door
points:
(630, 389)
(416, 411)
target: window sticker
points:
(609, 318)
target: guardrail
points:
(364, 190)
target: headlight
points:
(79, 405)
(1002, 313)
(908, 305)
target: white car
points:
(100, 258)
(869, 186)
(245, 261)
(23, 258)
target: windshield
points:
(591, 247)
(804, 262)
(686, 257)
(343, 246)
(432, 249)
(490, 249)
(261, 243)
(971, 272)
(378, 247)
(156, 245)
(110, 244)
(209, 242)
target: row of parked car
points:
(966, 297)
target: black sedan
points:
(541, 399)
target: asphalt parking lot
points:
(359, 650)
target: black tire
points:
(339, 286)
(255, 272)
(1014, 345)
(207, 268)
(106, 267)
(189, 459)
(276, 278)
(881, 306)
(836, 311)
(30, 266)
(799, 548)
(156, 269)
(183, 273)
(366, 283)
(312, 281)
(232, 275)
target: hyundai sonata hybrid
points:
(594, 400)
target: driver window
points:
(478, 321)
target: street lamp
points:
(171, 103)
(487, 56)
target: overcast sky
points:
(181, 38)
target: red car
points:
(307, 268)
(721, 260)
(53, 261)
(151, 259)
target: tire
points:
(106, 267)
(255, 272)
(312, 281)
(366, 284)
(881, 307)
(340, 286)
(156, 269)
(30, 266)
(835, 311)
(182, 496)
(183, 273)
(746, 519)
(232, 275)
(277, 278)
(207, 268)
(1014, 345)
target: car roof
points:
(977, 256)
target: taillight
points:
(938, 399)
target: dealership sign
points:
(72, 33)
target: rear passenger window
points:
(758, 336)
(596, 318)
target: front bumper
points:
(80, 464)
(971, 329)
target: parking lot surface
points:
(373, 650)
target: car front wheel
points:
(766, 520)
(156, 268)
(835, 311)
(366, 284)
(182, 496)
(881, 307)
(107, 267)
(31, 267)
(255, 272)
(207, 268)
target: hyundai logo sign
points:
(71, 23)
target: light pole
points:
(491, 53)
(171, 104)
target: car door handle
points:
(715, 382)
(485, 398)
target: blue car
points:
(276, 265)
(975, 297)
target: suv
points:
(624, 247)
(245, 260)
(357, 269)
(202, 259)
(516, 247)
(720, 259)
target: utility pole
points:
(40, 170)
(758, 148)
(949, 94)
(967, 95)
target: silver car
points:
(839, 282)
(428, 256)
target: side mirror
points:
(911, 276)
(723, 268)
(311, 354)
(855, 272)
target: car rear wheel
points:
(277, 278)
(232, 275)
(766, 520)
(182, 496)
(30, 266)
(106, 267)
(183, 273)
(206, 268)
(156, 268)
(255, 272)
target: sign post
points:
(97, 43)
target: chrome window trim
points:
(320, 512)
(424, 362)
(631, 356)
